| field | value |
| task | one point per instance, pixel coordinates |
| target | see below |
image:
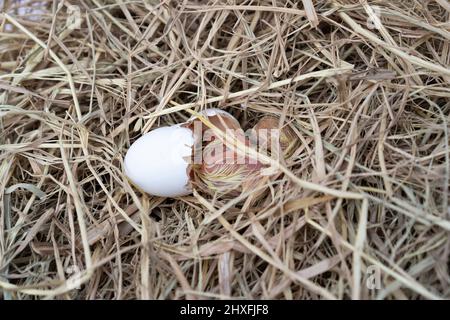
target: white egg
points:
(158, 162)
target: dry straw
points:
(360, 209)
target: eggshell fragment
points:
(158, 162)
(219, 118)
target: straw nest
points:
(359, 210)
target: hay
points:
(361, 209)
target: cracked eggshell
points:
(219, 118)
(158, 162)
